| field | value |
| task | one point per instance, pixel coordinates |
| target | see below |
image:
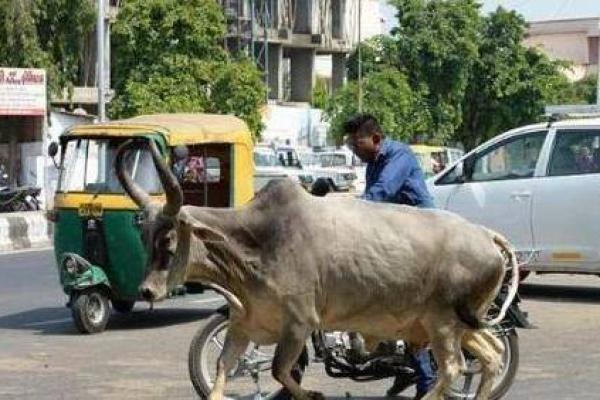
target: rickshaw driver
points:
(393, 176)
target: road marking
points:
(211, 300)
(48, 322)
(29, 250)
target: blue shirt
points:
(396, 177)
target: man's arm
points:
(391, 178)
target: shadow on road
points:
(560, 293)
(57, 320)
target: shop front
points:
(23, 106)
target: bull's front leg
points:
(236, 342)
(289, 348)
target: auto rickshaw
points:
(433, 159)
(98, 242)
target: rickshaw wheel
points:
(122, 306)
(90, 310)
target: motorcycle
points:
(19, 199)
(23, 198)
(342, 357)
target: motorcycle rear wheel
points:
(464, 389)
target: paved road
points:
(144, 355)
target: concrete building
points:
(574, 40)
(287, 36)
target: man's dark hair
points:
(363, 125)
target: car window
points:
(575, 152)
(515, 158)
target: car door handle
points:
(520, 195)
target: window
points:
(265, 159)
(333, 160)
(87, 166)
(512, 159)
(575, 152)
(198, 169)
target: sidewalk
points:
(24, 230)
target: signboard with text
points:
(22, 91)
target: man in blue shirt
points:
(393, 176)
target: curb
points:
(24, 230)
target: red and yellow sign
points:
(22, 91)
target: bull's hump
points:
(280, 191)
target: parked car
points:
(341, 178)
(345, 162)
(268, 167)
(540, 186)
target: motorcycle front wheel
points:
(250, 378)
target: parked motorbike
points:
(24, 198)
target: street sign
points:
(22, 91)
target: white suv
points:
(539, 185)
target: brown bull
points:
(289, 263)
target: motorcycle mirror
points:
(53, 151)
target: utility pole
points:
(100, 61)
(598, 70)
(266, 49)
(252, 20)
(360, 94)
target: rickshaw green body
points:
(125, 253)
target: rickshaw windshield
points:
(88, 166)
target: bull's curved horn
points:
(137, 194)
(169, 181)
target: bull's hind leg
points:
(445, 339)
(489, 354)
(235, 344)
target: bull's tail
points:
(512, 266)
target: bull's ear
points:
(206, 233)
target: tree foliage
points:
(168, 57)
(437, 47)
(509, 83)
(46, 34)
(388, 96)
(471, 72)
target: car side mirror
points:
(53, 151)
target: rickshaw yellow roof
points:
(176, 128)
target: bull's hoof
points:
(315, 396)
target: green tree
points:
(509, 84)
(579, 92)
(389, 97)
(168, 57)
(320, 95)
(436, 48)
(377, 53)
(46, 34)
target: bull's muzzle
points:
(147, 294)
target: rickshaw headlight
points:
(70, 265)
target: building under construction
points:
(285, 37)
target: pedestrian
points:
(393, 176)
